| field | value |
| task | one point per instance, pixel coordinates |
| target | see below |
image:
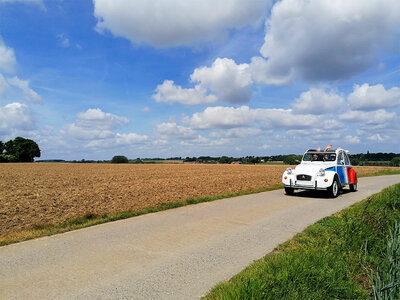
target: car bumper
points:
(316, 182)
(306, 187)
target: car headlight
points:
(321, 172)
(289, 171)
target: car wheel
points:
(289, 191)
(334, 189)
(353, 187)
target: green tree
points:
(137, 161)
(291, 159)
(119, 159)
(24, 150)
(395, 162)
(355, 161)
(254, 160)
(1, 147)
(9, 147)
(225, 160)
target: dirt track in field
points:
(50, 193)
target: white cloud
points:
(169, 92)
(173, 131)
(326, 40)
(220, 117)
(352, 139)
(236, 133)
(317, 101)
(322, 130)
(84, 133)
(146, 109)
(95, 129)
(378, 137)
(230, 117)
(16, 117)
(229, 81)
(63, 40)
(372, 117)
(29, 94)
(261, 71)
(7, 58)
(165, 23)
(224, 81)
(283, 119)
(130, 138)
(3, 85)
(94, 124)
(265, 147)
(95, 118)
(367, 98)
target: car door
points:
(341, 168)
(348, 166)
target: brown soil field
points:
(35, 194)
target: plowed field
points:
(49, 193)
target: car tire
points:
(353, 187)
(334, 189)
(289, 191)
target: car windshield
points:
(319, 156)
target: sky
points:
(166, 78)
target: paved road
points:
(174, 254)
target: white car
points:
(329, 170)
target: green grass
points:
(91, 219)
(382, 172)
(334, 258)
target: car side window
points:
(340, 159)
(346, 159)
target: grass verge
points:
(335, 258)
(91, 219)
(382, 172)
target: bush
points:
(119, 159)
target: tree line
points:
(19, 150)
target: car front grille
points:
(303, 177)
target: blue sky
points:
(93, 79)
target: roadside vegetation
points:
(353, 254)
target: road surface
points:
(174, 254)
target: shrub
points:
(119, 159)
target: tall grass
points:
(332, 259)
(386, 281)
